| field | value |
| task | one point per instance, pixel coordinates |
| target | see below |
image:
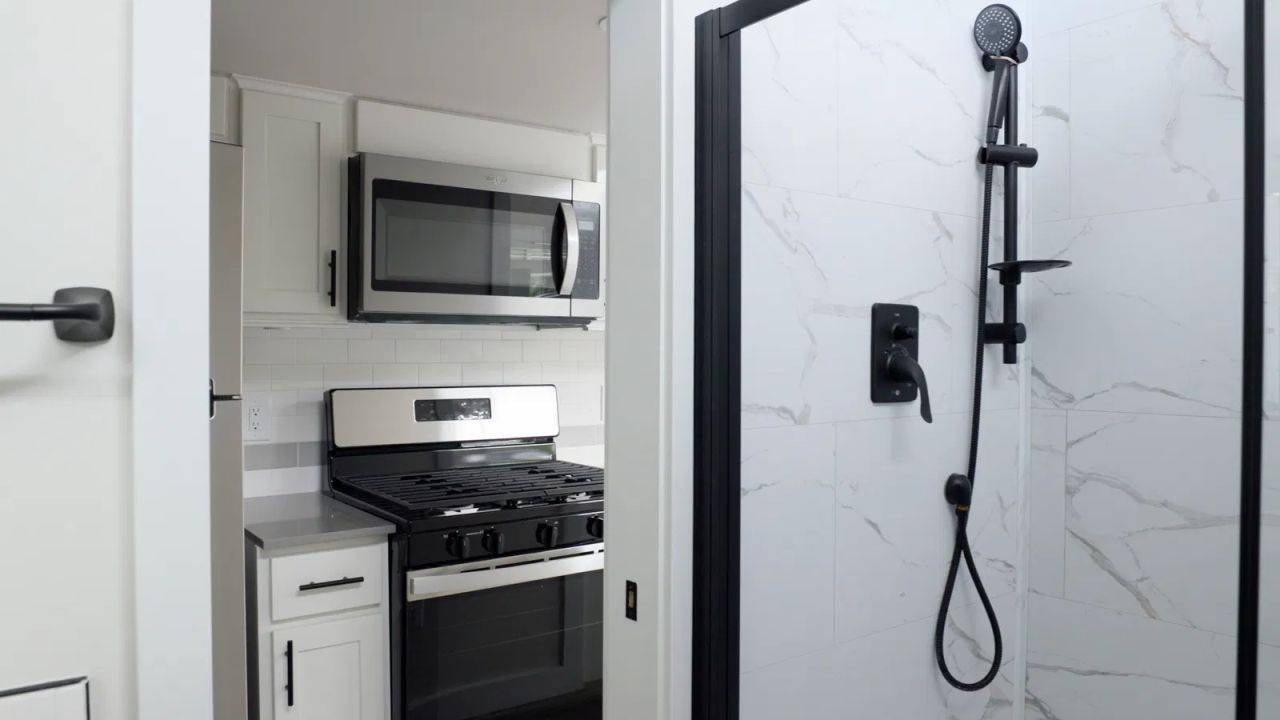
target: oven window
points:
(430, 238)
(520, 652)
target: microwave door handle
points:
(572, 249)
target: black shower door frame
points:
(717, 361)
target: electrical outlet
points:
(257, 424)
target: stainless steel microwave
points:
(436, 242)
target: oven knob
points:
(458, 545)
(548, 534)
(595, 526)
(494, 541)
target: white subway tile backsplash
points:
(461, 350)
(256, 377)
(417, 351)
(322, 351)
(270, 351)
(440, 374)
(560, 372)
(376, 350)
(294, 367)
(482, 374)
(284, 402)
(297, 377)
(349, 332)
(395, 375)
(581, 350)
(502, 351)
(393, 331)
(360, 375)
(437, 332)
(541, 350)
(521, 373)
(283, 481)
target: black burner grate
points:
(484, 488)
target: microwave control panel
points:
(587, 286)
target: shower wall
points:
(1135, 361)
(861, 120)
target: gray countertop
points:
(280, 521)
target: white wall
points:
(542, 63)
(66, 522)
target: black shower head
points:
(998, 30)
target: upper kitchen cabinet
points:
(295, 140)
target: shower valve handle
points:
(903, 368)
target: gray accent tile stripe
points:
(270, 456)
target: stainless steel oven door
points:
(449, 240)
(514, 638)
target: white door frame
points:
(170, 265)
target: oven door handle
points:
(459, 579)
(573, 249)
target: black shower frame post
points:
(1253, 361)
(717, 360)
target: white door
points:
(103, 445)
(331, 671)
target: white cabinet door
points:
(338, 670)
(294, 149)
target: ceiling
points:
(542, 62)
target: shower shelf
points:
(1011, 271)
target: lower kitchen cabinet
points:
(318, 631)
(331, 671)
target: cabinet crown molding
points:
(279, 87)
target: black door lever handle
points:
(903, 368)
(80, 314)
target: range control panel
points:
(477, 542)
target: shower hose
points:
(961, 501)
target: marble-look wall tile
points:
(1091, 663)
(788, 541)
(890, 675)
(1047, 502)
(1052, 16)
(1051, 125)
(894, 530)
(812, 267)
(1153, 508)
(1147, 319)
(913, 101)
(1164, 128)
(788, 113)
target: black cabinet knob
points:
(549, 534)
(458, 545)
(595, 526)
(494, 541)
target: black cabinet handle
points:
(288, 673)
(333, 278)
(330, 583)
(79, 314)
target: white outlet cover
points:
(257, 417)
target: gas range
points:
(497, 563)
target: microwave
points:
(443, 243)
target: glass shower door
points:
(1104, 520)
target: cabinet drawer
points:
(327, 580)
